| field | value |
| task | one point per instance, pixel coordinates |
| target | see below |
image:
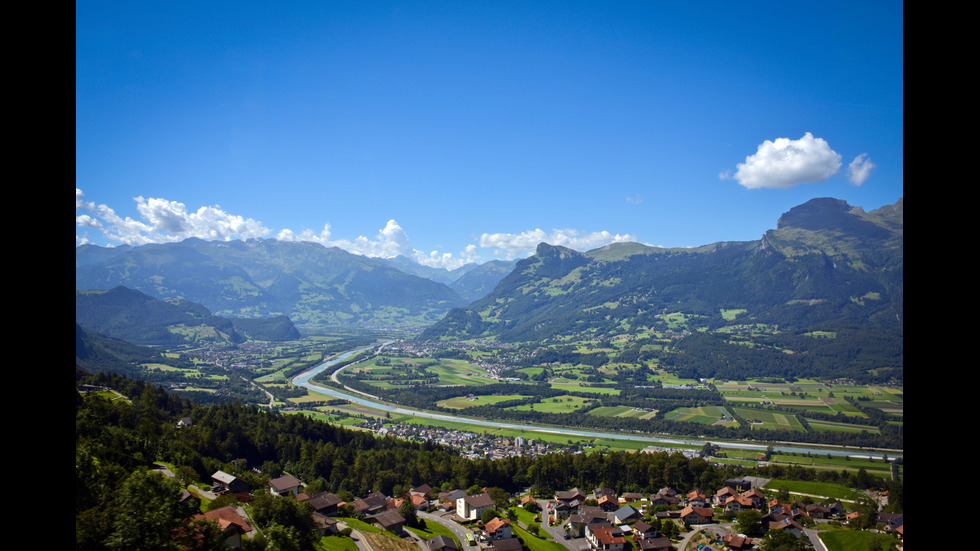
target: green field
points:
(765, 419)
(463, 402)
(708, 415)
(557, 404)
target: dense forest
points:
(116, 442)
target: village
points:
(470, 444)
(596, 520)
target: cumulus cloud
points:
(784, 163)
(859, 169)
(512, 245)
(163, 221)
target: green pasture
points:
(876, 467)
(818, 490)
(857, 540)
(463, 402)
(556, 404)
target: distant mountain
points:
(471, 281)
(315, 286)
(827, 265)
(480, 280)
(95, 352)
(138, 318)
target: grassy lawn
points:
(820, 489)
(855, 540)
(336, 543)
(534, 543)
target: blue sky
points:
(468, 131)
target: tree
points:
(488, 515)
(269, 510)
(749, 522)
(149, 513)
(781, 540)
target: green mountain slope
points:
(827, 265)
(135, 317)
(313, 285)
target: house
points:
(643, 530)
(325, 525)
(222, 482)
(818, 510)
(498, 529)
(665, 496)
(390, 520)
(722, 495)
(232, 525)
(655, 544)
(756, 496)
(737, 542)
(739, 503)
(788, 525)
(371, 504)
(739, 484)
(605, 538)
(604, 491)
(696, 498)
(696, 515)
(626, 513)
(569, 496)
(632, 497)
(285, 485)
(184, 422)
(324, 503)
(424, 490)
(441, 543)
(608, 503)
(588, 515)
(471, 507)
(447, 500)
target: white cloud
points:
(859, 169)
(523, 244)
(784, 163)
(391, 241)
(164, 221)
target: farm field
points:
(708, 415)
(557, 404)
(463, 402)
(622, 411)
(765, 419)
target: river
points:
(305, 380)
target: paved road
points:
(446, 519)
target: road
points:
(446, 519)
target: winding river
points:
(305, 380)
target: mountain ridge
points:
(827, 264)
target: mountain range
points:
(826, 266)
(315, 286)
